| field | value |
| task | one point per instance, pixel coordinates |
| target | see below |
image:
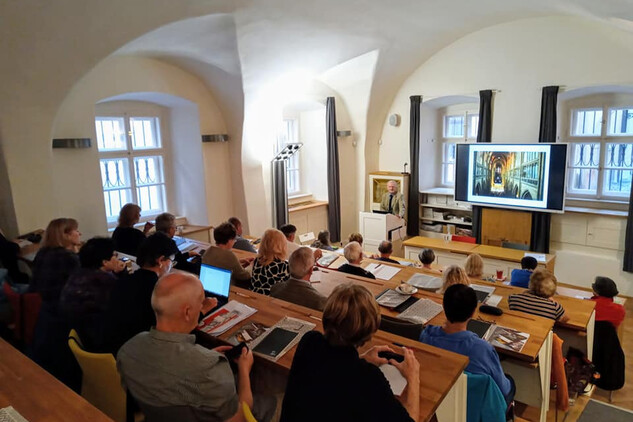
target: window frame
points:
(467, 111)
(603, 139)
(293, 165)
(130, 154)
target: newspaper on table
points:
(225, 318)
(507, 338)
(382, 271)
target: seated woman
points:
(349, 386)
(605, 290)
(426, 257)
(85, 297)
(126, 238)
(453, 274)
(356, 237)
(537, 299)
(323, 241)
(54, 263)
(270, 266)
(474, 266)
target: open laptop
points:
(216, 283)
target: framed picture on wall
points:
(378, 185)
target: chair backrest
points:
(31, 304)
(465, 239)
(248, 415)
(101, 383)
(16, 306)
(401, 328)
(512, 245)
(484, 400)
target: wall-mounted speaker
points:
(394, 120)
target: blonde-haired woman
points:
(56, 259)
(453, 274)
(474, 266)
(126, 238)
(270, 266)
(537, 300)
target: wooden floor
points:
(621, 398)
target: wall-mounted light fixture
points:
(343, 133)
(216, 137)
(288, 151)
(71, 143)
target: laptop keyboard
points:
(421, 311)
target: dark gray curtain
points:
(627, 264)
(541, 221)
(333, 183)
(413, 207)
(280, 196)
(484, 134)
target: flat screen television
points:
(521, 176)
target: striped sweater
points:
(536, 305)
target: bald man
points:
(392, 201)
(164, 367)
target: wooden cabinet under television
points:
(439, 214)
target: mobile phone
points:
(391, 355)
(235, 352)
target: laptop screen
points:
(215, 280)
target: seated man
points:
(354, 255)
(460, 302)
(297, 289)
(240, 242)
(290, 231)
(386, 249)
(427, 258)
(166, 223)
(521, 278)
(221, 256)
(164, 367)
(392, 201)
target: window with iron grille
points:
(131, 161)
(600, 161)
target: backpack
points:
(580, 372)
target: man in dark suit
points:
(354, 255)
(297, 289)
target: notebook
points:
(480, 328)
(216, 282)
(275, 342)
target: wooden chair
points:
(401, 328)
(25, 310)
(101, 383)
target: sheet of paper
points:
(540, 257)
(315, 277)
(494, 300)
(395, 378)
(382, 271)
(425, 281)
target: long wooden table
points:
(531, 367)
(37, 395)
(450, 252)
(442, 382)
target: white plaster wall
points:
(75, 172)
(519, 58)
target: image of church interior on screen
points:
(509, 174)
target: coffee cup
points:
(406, 288)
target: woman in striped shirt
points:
(537, 300)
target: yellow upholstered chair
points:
(248, 415)
(101, 382)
